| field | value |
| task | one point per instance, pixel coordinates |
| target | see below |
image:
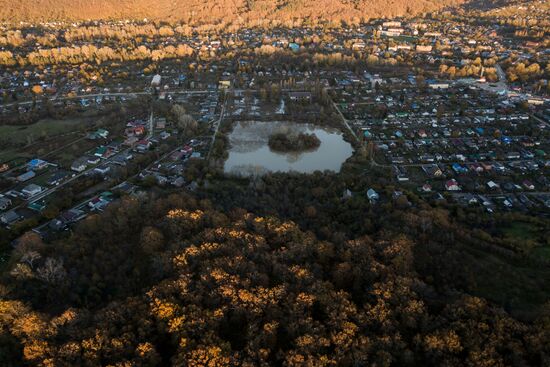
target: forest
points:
(244, 12)
(275, 271)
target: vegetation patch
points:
(521, 230)
(42, 129)
(282, 142)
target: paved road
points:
(219, 122)
(419, 165)
(539, 120)
(151, 126)
(129, 94)
(345, 121)
(103, 95)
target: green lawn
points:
(542, 252)
(7, 155)
(46, 129)
(521, 230)
(521, 287)
(43, 128)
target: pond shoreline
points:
(249, 153)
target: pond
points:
(249, 153)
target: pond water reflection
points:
(249, 153)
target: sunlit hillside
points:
(197, 11)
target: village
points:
(452, 110)
(54, 191)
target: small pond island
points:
(292, 142)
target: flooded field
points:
(249, 153)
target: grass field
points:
(44, 128)
(522, 288)
(10, 155)
(542, 252)
(521, 230)
(39, 135)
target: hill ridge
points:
(212, 11)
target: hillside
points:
(212, 11)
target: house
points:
(300, 96)
(432, 170)
(156, 81)
(5, 203)
(438, 85)
(459, 168)
(470, 199)
(424, 48)
(347, 194)
(37, 206)
(528, 185)
(374, 80)
(358, 46)
(26, 176)
(135, 131)
(109, 152)
(93, 159)
(476, 167)
(99, 133)
(131, 141)
(427, 158)
(391, 32)
(224, 83)
(100, 151)
(426, 187)
(486, 166)
(161, 180)
(372, 195)
(143, 145)
(398, 160)
(508, 186)
(101, 201)
(31, 190)
(10, 217)
(125, 187)
(160, 123)
(400, 173)
(72, 216)
(37, 164)
(432, 34)
(391, 24)
(102, 170)
(493, 185)
(121, 160)
(178, 181)
(102, 133)
(294, 46)
(80, 164)
(57, 178)
(452, 185)
(104, 152)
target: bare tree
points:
(52, 271)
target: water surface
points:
(249, 152)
